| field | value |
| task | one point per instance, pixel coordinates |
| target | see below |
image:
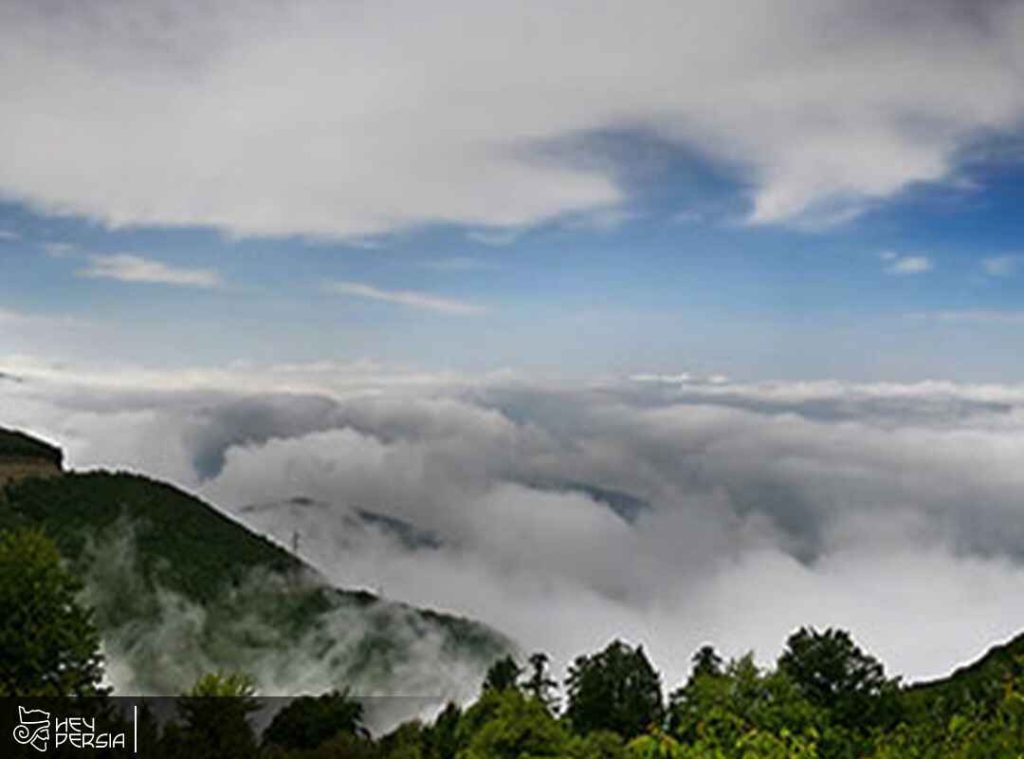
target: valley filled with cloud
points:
(672, 511)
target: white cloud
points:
(411, 298)
(333, 120)
(127, 267)
(669, 379)
(1001, 266)
(876, 507)
(6, 235)
(910, 265)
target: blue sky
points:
(874, 234)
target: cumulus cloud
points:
(314, 118)
(126, 267)
(411, 298)
(671, 513)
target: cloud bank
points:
(674, 512)
(352, 119)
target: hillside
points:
(180, 589)
(979, 682)
(14, 444)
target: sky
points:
(476, 266)
(822, 189)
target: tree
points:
(224, 685)
(654, 745)
(309, 721)
(49, 644)
(616, 689)
(706, 662)
(836, 675)
(407, 741)
(442, 738)
(742, 706)
(215, 719)
(981, 730)
(540, 684)
(513, 726)
(502, 675)
(602, 744)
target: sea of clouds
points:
(893, 510)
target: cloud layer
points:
(673, 512)
(358, 118)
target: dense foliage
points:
(309, 721)
(825, 697)
(48, 643)
(725, 710)
(616, 689)
(159, 562)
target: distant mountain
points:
(625, 506)
(354, 524)
(180, 589)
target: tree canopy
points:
(834, 673)
(826, 697)
(308, 721)
(616, 689)
(502, 675)
(49, 644)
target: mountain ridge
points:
(179, 588)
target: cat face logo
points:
(34, 729)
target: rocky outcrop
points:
(14, 469)
(23, 456)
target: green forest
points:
(135, 543)
(824, 697)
